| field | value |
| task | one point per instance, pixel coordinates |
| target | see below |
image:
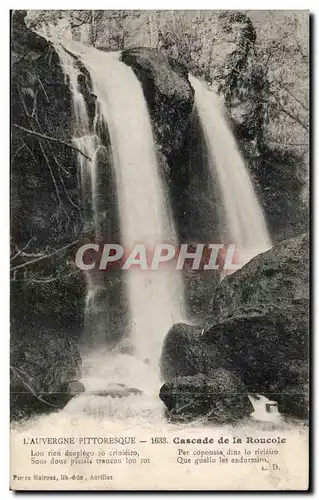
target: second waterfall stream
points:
(243, 216)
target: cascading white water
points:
(155, 297)
(246, 226)
(88, 142)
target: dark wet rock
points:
(40, 102)
(185, 352)
(117, 391)
(75, 387)
(219, 396)
(258, 331)
(18, 18)
(168, 93)
(279, 277)
(45, 368)
(292, 399)
(22, 35)
(260, 319)
(44, 185)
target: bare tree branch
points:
(48, 279)
(35, 103)
(49, 138)
(300, 144)
(22, 250)
(23, 145)
(284, 87)
(67, 194)
(59, 250)
(44, 91)
(16, 372)
(51, 150)
(279, 106)
(53, 179)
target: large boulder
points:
(278, 277)
(185, 353)
(292, 399)
(45, 371)
(117, 390)
(219, 396)
(168, 93)
(260, 320)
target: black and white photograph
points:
(159, 250)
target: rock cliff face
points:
(168, 93)
(47, 210)
(279, 277)
(41, 103)
(260, 319)
(45, 367)
(259, 323)
(46, 297)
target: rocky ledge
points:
(169, 95)
(258, 336)
(220, 396)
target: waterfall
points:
(155, 297)
(242, 213)
(87, 141)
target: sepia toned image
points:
(159, 250)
